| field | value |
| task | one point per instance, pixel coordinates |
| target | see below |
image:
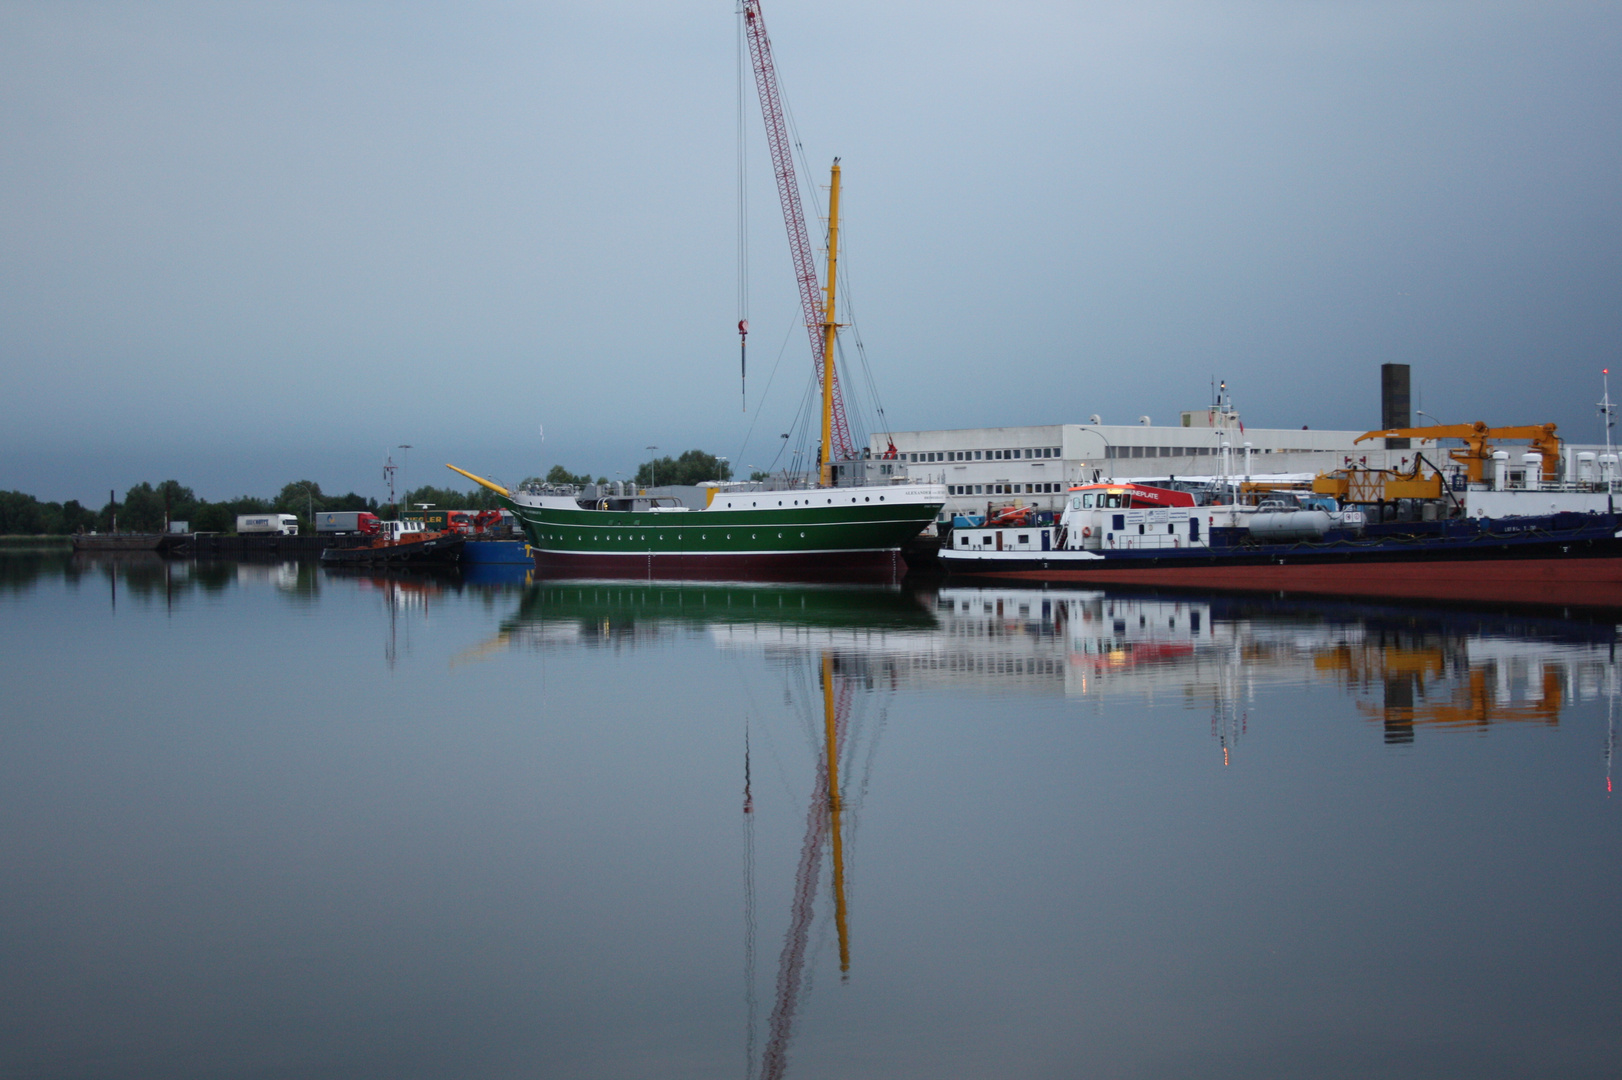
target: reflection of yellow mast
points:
(833, 805)
(829, 329)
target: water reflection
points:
(1406, 668)
(982, 816)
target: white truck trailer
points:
(267, 525)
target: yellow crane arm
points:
(1439, 431)
(1475, 436)
(481, 481)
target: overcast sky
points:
(243, 243)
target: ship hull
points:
(836, 535)
(1582, 568)
(442, 550)
(878, 566)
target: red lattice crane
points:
(799, 238)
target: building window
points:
(978, 490)
(977, 455)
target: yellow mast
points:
(830, 731)
(829, 328)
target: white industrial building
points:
(1037, 463)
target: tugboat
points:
(401, 544)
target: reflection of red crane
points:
(822, 818)
(799, 238)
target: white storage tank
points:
(1533, 464)
(1500, 470)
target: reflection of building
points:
(1407, 668)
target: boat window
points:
(1075, 503)
(965, 540)
(1024, 538)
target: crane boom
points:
(799, 237)
(1477, 448)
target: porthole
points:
(802, 534)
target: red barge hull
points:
(864, 567)
(1568, 582)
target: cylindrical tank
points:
(1533, 466)
(1500, 470)
(1274, 525)
(1585, 467)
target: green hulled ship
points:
(842, 533)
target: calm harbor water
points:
(263, 820)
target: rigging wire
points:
(861, 353)
(792, 326)
(743, 223)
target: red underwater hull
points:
(885, 567)
(1588, 582)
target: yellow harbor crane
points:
(1477, 449)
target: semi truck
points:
(347, 521)
(267, 525)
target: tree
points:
(20, 514)
(450, 498)
(143, 509)
(560, 475)
(221, 517)
(144, 506)
(693, 467)
(760, 474)
(300, 498)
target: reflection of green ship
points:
(607, 608)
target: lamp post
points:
(653, 467)
(404, 481)
(1109, 458)
(309, 497)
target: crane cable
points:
(743, 226)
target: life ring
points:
(1086, 530)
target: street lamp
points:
(309, 497)
(1109, 457)
(404, 482)
(653, 467)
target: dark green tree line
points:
(693, 467)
